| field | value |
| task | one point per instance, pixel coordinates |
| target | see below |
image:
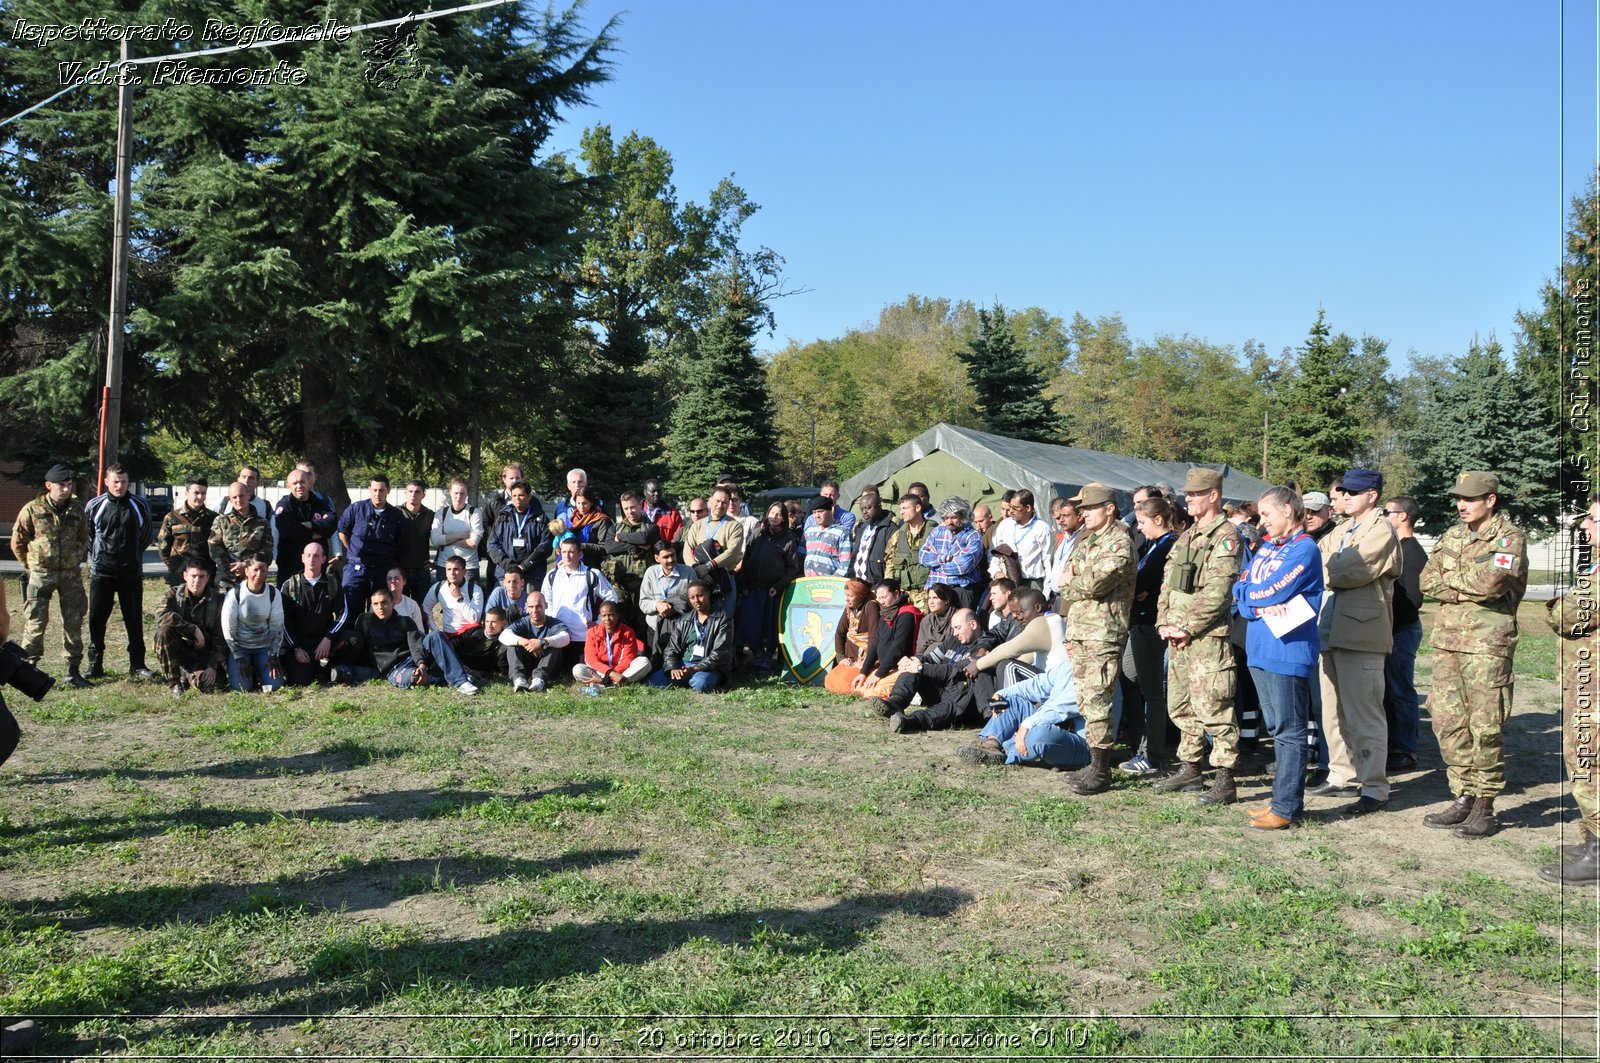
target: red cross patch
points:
(1505, 561)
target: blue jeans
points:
(699, 682)
(1400, 689)
(1053, 744)
(257, 661)
(1286, 705)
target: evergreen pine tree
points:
(1318, 429)
(1010, 393)
(1479, 414)
(722, 421)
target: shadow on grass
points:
(364, 978)
(392, 806)
(366, 886)
(341, 756)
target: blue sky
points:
(1216, 169)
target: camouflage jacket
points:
(1197, 583)
(1097, 586)
(185, 532)
(1479, 579)
(900, 557)
(205, 613)
(236, 537)
(1572, 616)
(45, 539)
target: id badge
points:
(698, 652)
(518, 544)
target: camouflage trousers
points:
(1580, 745)
(1200, 686)
(1095, 667)
(37, 587)
(181, 661)
(1470, 701)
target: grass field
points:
(369, 873)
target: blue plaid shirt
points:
(955, 558)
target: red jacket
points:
(611, 655)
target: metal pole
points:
(112, 400)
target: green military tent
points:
(981, 467)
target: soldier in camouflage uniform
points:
(236, 537)
(1477, 574)
(189, 639)
(51, 539)
(1194, 616)
(900, 556)
(1097, 597)
(1572, 617)
(186, 531)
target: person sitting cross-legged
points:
(698, 650)
(252, 624)
(534, 646)
(1034, 722)
(387, 645)
(612, 654)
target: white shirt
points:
(405, 605)
(458, 609)
(1030, 542)
(253, 620)
(1058, 564)
(447, 522)
(566, 596)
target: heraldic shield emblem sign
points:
(807, 618)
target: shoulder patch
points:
(1505, 561)
(1229, 545)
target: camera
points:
(15, 671)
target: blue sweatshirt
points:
(1276, 573)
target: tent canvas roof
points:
(1044, 468)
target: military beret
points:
(1359, 480)
(1476, 485)
(1094, 494)
(1202, 480)
(822, 502)
(59, 474)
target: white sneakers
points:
(467, 688)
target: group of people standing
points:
(1299, 609)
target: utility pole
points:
(111, 399)
(1264, 416)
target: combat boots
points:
(1186, 777)
(1456, 813)
(1481, 822)
(95, 669)
(1096, 778)
(75, 678)
(1223, 791)
(1580, 869)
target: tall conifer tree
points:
(722, 422)
(1010, 393)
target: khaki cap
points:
(1476, 485)
(1202, 480)
(1094, 494)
